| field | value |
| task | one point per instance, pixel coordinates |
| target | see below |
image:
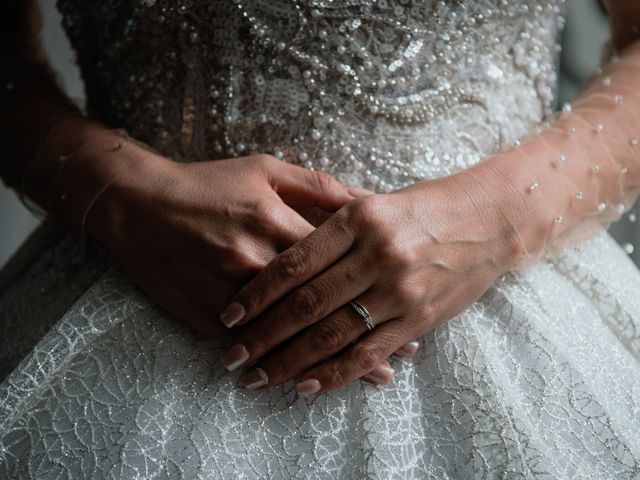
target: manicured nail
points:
(235, 357)
(254, 378)
(407, 350)
(381, 375)
(359, 192)
(308, 387)
(232, 314)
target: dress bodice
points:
(377, 92)
(537, 379)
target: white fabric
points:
(538, 379)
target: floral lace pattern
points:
(539, 378)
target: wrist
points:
(106, 164)
(485, 211)
(500, 208)
(527, 199)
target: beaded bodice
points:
(377, 92)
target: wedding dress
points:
(539, 378)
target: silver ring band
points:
(364, 313)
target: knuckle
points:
(336, 377)
(428, 313)
(306, 302)
(366, 357)
(387, 253)
(423, 320)
(230, 253)
(391, 252)
(341, 224)
(294, 263)
(265, 159)
(263, 212)
(325, 338)
(404, 293)
(251, 266)
(325, 181)
(363, 210)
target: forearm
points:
(582, 172)
(31, 104)
(51, 153)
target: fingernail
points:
(255, 378)
(235, 357)
(382, 375)
(308, 387)
(232, 314)
(359, 192)
(408, 350)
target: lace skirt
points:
(538, 379)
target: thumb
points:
(299, 186)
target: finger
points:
(287, 226)
(314, 300)
(357, 361)
(319, 342)
(293, 267)
(381, 375)
(301, 186)
(305, 306)
(408, 350)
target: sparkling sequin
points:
(379, 77)
(525, 382)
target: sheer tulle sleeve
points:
(580, 171)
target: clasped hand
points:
(414, 258)
(197, 237)
(190, 235)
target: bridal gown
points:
(538, 379)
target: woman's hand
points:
(414, 258)
(191, 234)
